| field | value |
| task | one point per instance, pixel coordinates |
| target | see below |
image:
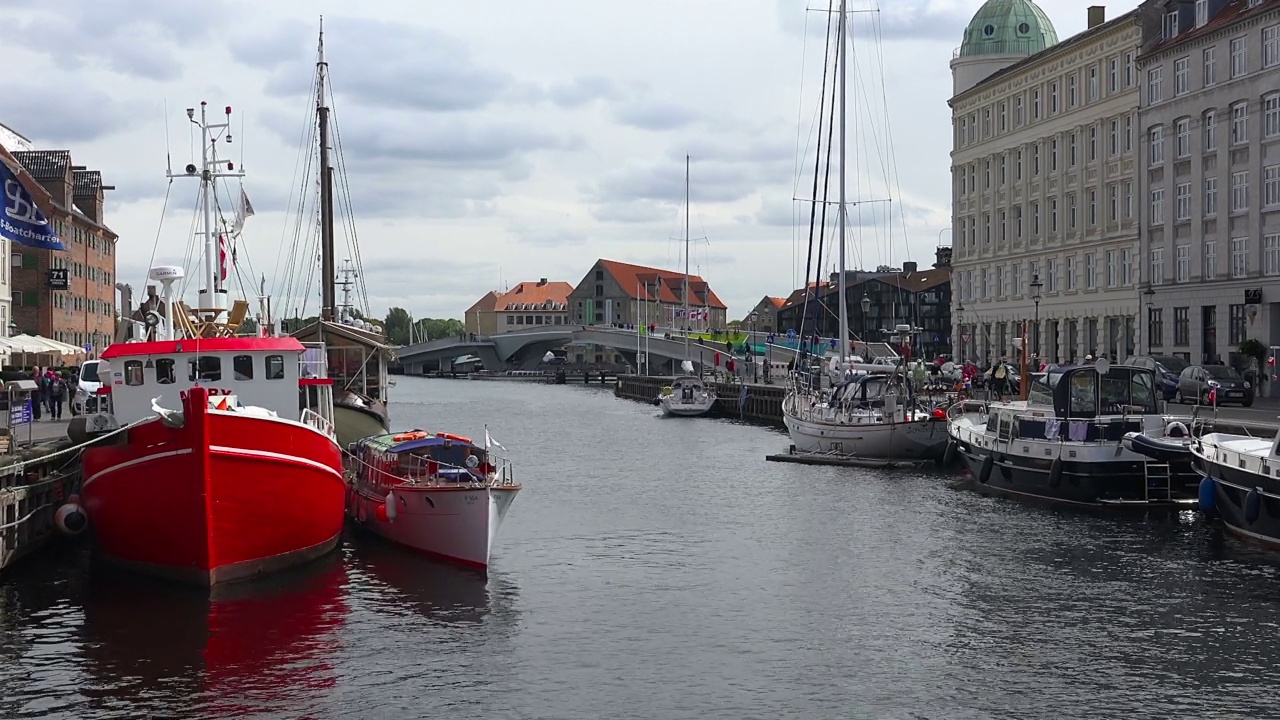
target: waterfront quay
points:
(38, 471)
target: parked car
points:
(1167, 367)
(85, 398)
(1197, 381)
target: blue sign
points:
(771, 339)
(20, 415)
(937, 337)
(791, 333)
(88, 347)
(22, 222)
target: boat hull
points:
(1119, 483)
(228, 496)
(1245, 498)
(674, 408)
(454, 524)
(358, 417)
(915, 440)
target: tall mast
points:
(686, 257)
(327, 295)
(842, 59)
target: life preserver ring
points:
(407, 436)
(455, 438)
(1176, 429)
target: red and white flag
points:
(222, 256)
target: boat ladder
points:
(1159, 479)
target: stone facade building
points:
(528, 304)
(615, 293)
(1045, 228)
(1210, 175)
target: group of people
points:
(53, 390)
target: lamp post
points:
(1149, 295)
(755, 366)
(1036, 287)
(13, 328)
(866, 308)
(960, 333)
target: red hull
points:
(226, 497)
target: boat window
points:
(164, 371)
(205, 368)
(133, 372)
(1084, 394)
(275, 367)
(1040, 392)
(242, 367)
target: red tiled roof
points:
(777, 301)
(661, 285)
(531, 293)
(486, 303)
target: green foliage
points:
(1255, 349)
(397, 324)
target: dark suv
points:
(1198, 381)
(1166, 367)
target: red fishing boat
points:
(229, 465)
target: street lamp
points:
(1036, 287)
(960, 327)
(13, 328)
(755, 366)
(866, 308)
(1149, 295)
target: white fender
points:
(391, 505)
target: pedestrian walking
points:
(57, 395)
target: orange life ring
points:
(456, 438)
(412, 435)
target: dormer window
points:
(989, 30)
(1170, 25)
(1024, 29)
(1202, 12)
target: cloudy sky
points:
(490, 143)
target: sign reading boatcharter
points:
(22, 222)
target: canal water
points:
(660, 568)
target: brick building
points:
(67, 296)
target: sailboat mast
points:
(842, 58)
(327, 272)
(686, 257)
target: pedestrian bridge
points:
(527, 346)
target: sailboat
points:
(686, 396)
(244, 476)
(865, 414)
(357, 353)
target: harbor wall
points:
(763, 403)
(34, 483)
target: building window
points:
(1239, 61)
(1157, 266)
(1017, 166)
(1239, 257)
(1126, 267)
(1053, 97)
(1157, 206)
(1053, 154)
(1271, 254)
(1073, 92)
(1239, 123)
(1035, 219)
(1155, 327)
(1210, 67)
(1053, 215)
(1157, 145)
(1271, 115)
(1128, 199)
(1017, 222)
(511, 319)
(1090, 271)
(1071, 149)
(1181, 76)
(1211, 130)
(1210, 259)
(1240, 191)
(1113, 204)
(1182, 269)
(1113, 268)
(1035, 104)
(1237, 325)
(1071, 273)
(1017, 111)
(1128, 133)
(1093, 83)
(1035, 160)
(1052, 280)
(1128, 69)
(1093, 143)
(1182, 326)
(1114, 146)
(1004, 116)
(1153, 85)
(1170, 25)
(1093, 207)
(1210, 196)
(1182, 138)
(1270, 46)
(1202, 12)
(1113, 75)
(1182, 201)
(1071, 211)
(1271, 185)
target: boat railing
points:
(314, 362)
(315, 420)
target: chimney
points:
(1097, 15)
(542, 281)
(908, 267)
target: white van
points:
(85, 399)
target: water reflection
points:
(246, 648)
(438, 592)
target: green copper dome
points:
(1008, 27)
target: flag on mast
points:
(222, 255)
(488, 439)
(244, 211)
(22, 221)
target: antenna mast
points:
(327, 274)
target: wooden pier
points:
(34, 481)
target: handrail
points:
(317, 421)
